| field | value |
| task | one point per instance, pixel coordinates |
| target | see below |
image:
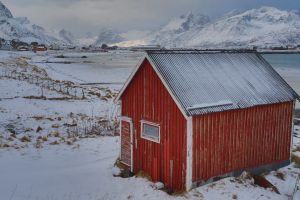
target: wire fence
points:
(62, 87)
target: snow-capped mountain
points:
(262, 27)
(20, 28)
(5, 12)
(108, 37)
(66, 36)
(87, 39)
(178, 27)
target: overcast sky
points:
(82, 16)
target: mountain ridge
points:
(261, 27)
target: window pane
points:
(151, 131)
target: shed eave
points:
(137, 67)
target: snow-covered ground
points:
(43, 157)
(85, 172)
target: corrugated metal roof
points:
(200, 80)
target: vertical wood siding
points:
(146, 98)
(238, 139)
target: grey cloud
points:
(81, 16)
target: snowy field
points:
(58, 133)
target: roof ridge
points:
(185, 51)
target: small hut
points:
(192, 117)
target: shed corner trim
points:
(189, 152)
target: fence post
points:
(42, 91)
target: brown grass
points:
(38, 118)
(142, 174)
(42, 138)
(5, 145)
(295, 159)
(25, 138)
(55, 134)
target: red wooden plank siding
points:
(238, 139)
(146, 98)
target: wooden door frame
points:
(128, 120)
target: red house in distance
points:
(192, 117)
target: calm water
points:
(283, 60)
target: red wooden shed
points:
(192, 117)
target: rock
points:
(55, 126)
(28, 129)
(39, 129)
(54, 142)
(13, 135)
(69, 142)
(5, 145)
(159, 185)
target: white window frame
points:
(150, 124)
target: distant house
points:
(192, 117)
(23, 48)
(39, 48)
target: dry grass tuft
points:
(25, 138)
(234, 196)
(55, 134)
(295, 159)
